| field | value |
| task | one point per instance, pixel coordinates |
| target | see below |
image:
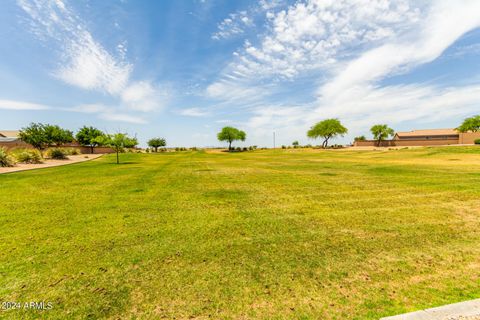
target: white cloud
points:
(88, 108)
(91, 67)
(122, 117)
(21, 105)
(445, 23)
(402, 103)
(85, 63)
(270, 4)
(316, 34)
(143, 96)
(194, 112)
(235, 92)
(235, 24)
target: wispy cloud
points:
(108, 113)
(235, 24)
(21, 105)
(194, 112)
(445, 23)
(144, 96)
(122, 118)
(88, 108)
(85, 63)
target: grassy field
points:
(292, 234)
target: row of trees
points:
(42, 136)
(331, 128)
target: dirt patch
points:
(50, 163)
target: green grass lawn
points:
(269, 235)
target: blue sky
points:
(184, 69)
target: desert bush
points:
(284, 147)
(5, 159)
(477, 141)
(27, 156)
(147, 150)
(193, 148)
(57, 154)
(75, 151)
(71, 151)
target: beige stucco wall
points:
(14, 144)
(405, 143)
(469, 137)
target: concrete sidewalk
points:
(468, 310)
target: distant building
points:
(9, 133)
(429, 137)
(9, 139)
(429, 134)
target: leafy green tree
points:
(295, 144)
(327, 129)
(87, 137)
(57, 136)
(470, 124)
(231, 134)
(381, 132)
(34, 135)
(42, 136)
(360, 138)
(155, 143)
(117, 142)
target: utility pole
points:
(273, 140)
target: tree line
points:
(331, 128)
(42, 136)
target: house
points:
(425, 137)
(9, 139)
(9, 133)
(429, 134)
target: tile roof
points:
(428, 132)
(9, 133)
